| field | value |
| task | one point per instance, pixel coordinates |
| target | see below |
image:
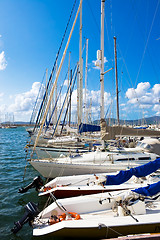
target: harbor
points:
(16, 173)
(77, 160)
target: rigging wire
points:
(123, 90)
(146, 45)
(53, 69)
(69, 101)
(135, 18)
(145, 50)
(50, 118)
(96, 23)
(64, 102)
(42, 107)
(141, 31)
(36, 102)
(94, 18)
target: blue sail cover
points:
(150, 190)
(140, 171)
(88, 128)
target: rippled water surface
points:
(12, 177)
(12, 166)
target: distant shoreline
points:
(17, 125)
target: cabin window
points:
(144, 158)
(138, 144)
(148, 146)
(125, 159)
(143, 145)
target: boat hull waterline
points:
(100, 228)
(50, 169)
(87, 163)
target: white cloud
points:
(156, 108)
(145, 106)
(3, 108)
(142, 88)
(145, 97)
(93, 99)
(22, 104)
(131, 93)
(1, 95)
(66, 83)
(156, 90)
(139, 91)
(3, 62)
(122, 104)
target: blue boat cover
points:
(150, 190)
(140, 127)
(140, 171)
(88, 128)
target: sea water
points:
(12, 177)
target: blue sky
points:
(30, 35)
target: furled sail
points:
(88, 128)
(149, 190)
(140, 171)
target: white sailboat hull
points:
(102, 227)
(50, 169)
(88, 163)
(55, 152)
(97, 219)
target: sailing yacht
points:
(102, 215)
(98, 161)
(91, 162)
(71, 186)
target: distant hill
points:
(146, 121)
(17, 123)
(149, 120)
(111, 121)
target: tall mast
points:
(102, 60)
(70, 107)
(80, 85)
(55, 115)
(46, 88)
(57, 75)
(68, 79)
(90, 111)
(116, 78)
(86, 70)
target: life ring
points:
(53, 219)
(62, 217)
(74, 215)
